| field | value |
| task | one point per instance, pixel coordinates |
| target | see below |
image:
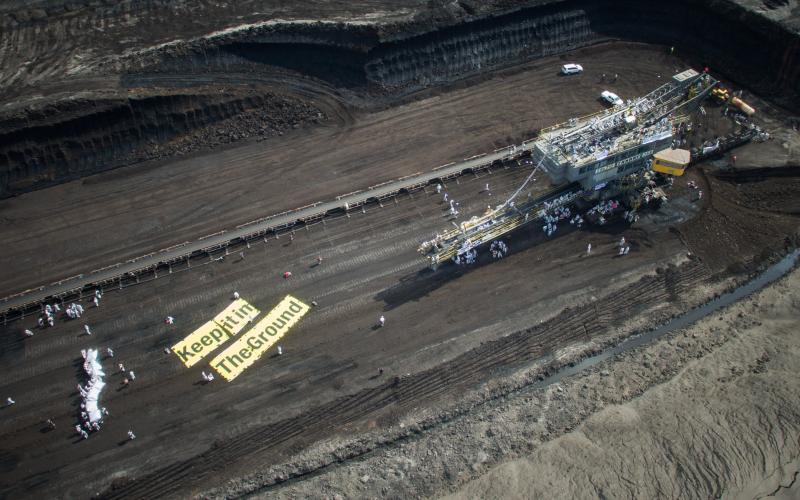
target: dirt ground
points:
(155, 205)
(448, 334)
(65, 44)
(725, 426)
(370, 268)
(706, 412)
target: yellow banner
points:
(201, 342)
(248, 348)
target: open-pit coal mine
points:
(326, 249)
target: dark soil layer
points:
(729, 216)
(373, 64)
(749, 215)
(743, 46)
(448, 332)
(169, 201)
(71, 139)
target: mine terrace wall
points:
(743, 46)
(386, 62)
(73, 139)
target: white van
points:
(571, 69)
(611, 98)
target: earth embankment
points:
(362, 63)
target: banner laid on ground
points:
(248, 348)
(201, 342)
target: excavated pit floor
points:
(192, 436)
(157, 204)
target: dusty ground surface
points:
(724, 426)
(327, 384)
(370, 268)
(161, 203)
(73, 44)
(460, 346)
(708, 411)
(88, 88)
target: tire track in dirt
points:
(422, 388)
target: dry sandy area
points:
(726, 426)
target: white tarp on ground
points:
(95, 371)
(92, 400)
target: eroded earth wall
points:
(361, 63)
(75, 138)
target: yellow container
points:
(671, 161)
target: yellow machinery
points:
(493, 224)
(671, 161)
(723, 95)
